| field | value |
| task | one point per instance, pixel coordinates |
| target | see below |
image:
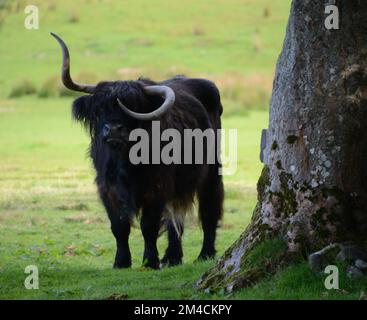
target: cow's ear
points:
(82, 109)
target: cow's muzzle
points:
(113, 134)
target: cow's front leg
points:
(121, 231)
(150, 225)
(120, 227)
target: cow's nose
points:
(118, 127)
(106, 130)
(110, 129)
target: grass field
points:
(50, 215)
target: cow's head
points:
(104, 109)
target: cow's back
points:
(202, 89)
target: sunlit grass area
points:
(234, 42)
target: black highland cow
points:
(159, 194)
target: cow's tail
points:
(175, 215)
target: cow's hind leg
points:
(210, 196)
(150, 224)
(174, 254)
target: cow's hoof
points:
(205, 257)
(151, 264)
(122, 265)
(170, 261)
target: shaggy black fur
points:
(126, 189)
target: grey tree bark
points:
(313, 189)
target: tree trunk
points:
(313, 189)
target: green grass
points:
(110, 36)
(300, 283)
(50, 215)
(232, 42)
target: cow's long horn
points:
(169, 100)
(65, 70)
